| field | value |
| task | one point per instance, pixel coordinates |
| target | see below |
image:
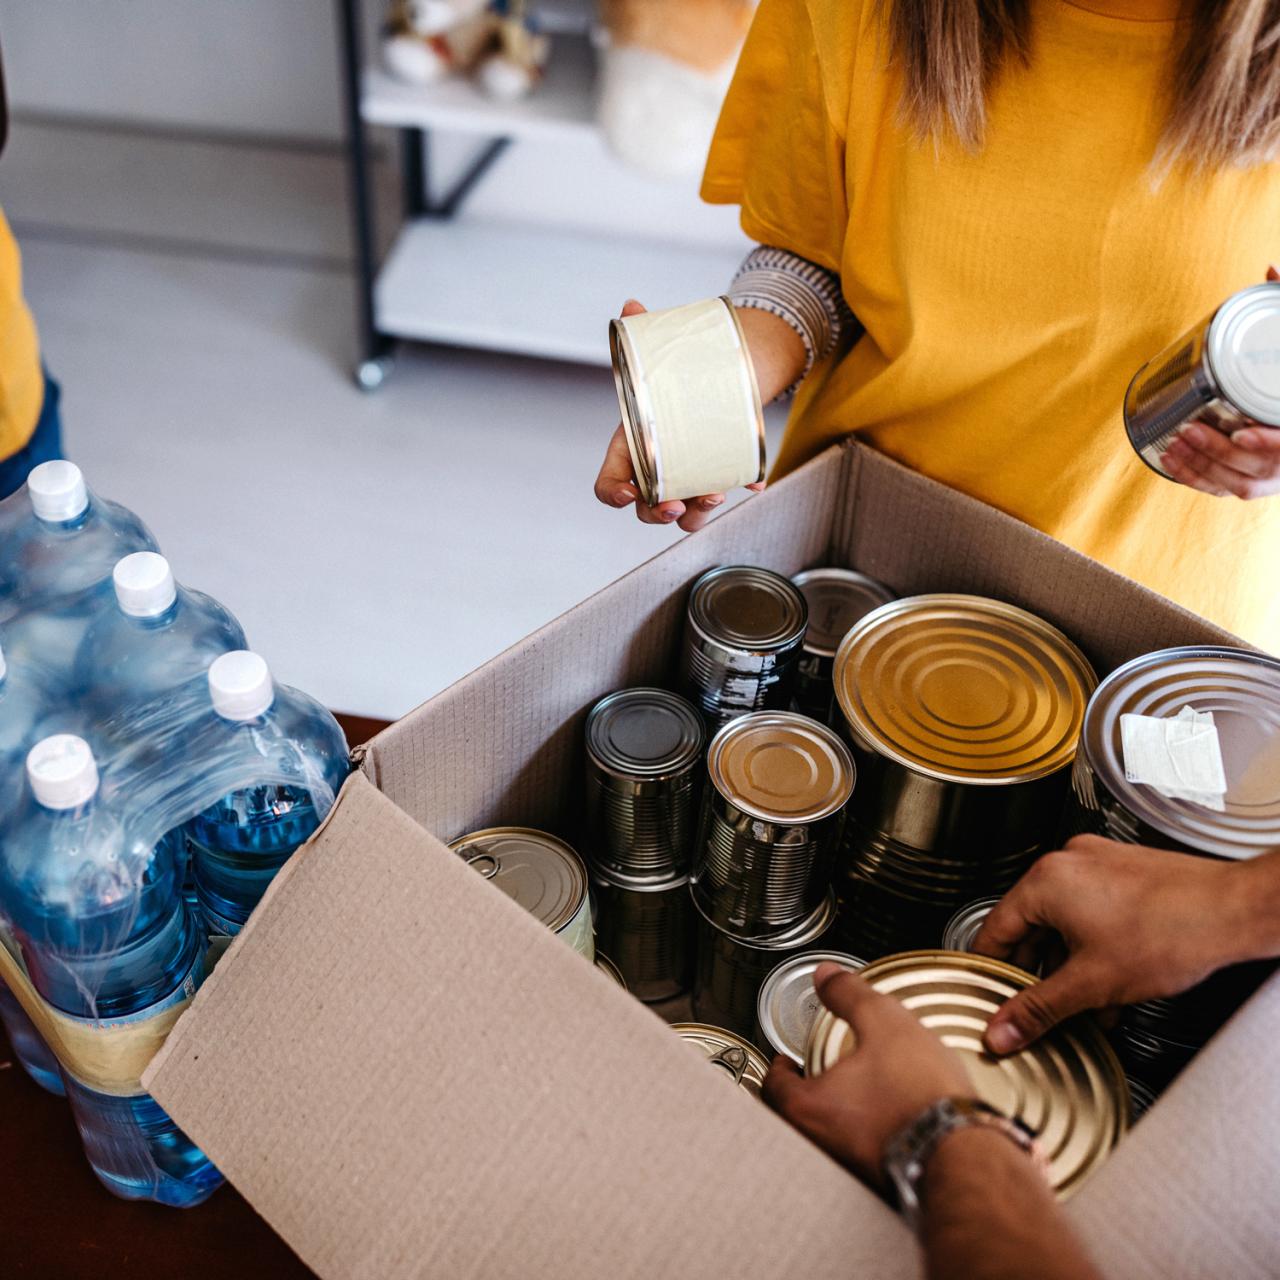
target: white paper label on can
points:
(1180, 757)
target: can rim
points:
(848, 577)
(1240, 391)
(679, 762)
(731, 1040)
(780, 643)
(805, 931)
(610, 878)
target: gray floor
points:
(195, 300)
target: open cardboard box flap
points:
(408, 1076)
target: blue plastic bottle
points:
(107, 938)
(24, 699)
(58, 545)
(240, 843)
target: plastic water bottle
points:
(55, 558)
(107, 938)
(24, 698)
(240, 843)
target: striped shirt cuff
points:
(805, 295)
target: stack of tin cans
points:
(1241, 690)
(964, 715)
(643, 786)
(772, 819)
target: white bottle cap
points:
(57, 490)
(62, 771)
(144, 584)
(240, 685)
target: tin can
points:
(730, 968)
(742, 636)
(1067, 1087)
(538, 872)
(837, 598)
(966, 924)
(610, 970)
(691, 408)
(1141, 1099)
(1225, 372)
(726, 1052)
(772, 820)
(964, 715)
(644, 769)
(788, 1004)
(646, 925)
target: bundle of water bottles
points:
(153, 780)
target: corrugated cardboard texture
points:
(408, 1076)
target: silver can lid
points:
(788, 1004)
(534, 869)
(1242, 691)
(746, 607)
(1244, 351)
(837, 598)
(644, 733)
(726, 1051)
(964, 926)
(781, 767)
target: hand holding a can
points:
(1242, 463)
(1136, 923)
(898, 1069)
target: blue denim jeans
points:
(45, 443)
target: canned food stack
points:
(1240, 690)
(837, 599)
(644, 773)
(773, 813)
(743, 630)
(964, 715)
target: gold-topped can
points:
(691, 409)
(727, 1053)
(610, 970)
(772, 819)
(964, 715)
(1067, 1087)
(540, 873)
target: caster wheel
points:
(371, 374)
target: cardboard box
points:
(408, 1076)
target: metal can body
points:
(743, 631)
(730, 968)
(772, 820)
(644, 771)
(964, 715)
(788, 1004)
(690, 405)
(1224, 372)
(837, 599)
(646, 928)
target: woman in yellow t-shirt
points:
(30, 430)
(1021, 201)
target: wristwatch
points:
(907, 1154)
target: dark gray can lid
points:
(837, 598)
(746, 607)
(644, 733)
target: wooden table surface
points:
(57, 1221)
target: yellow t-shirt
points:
(1010, 294)
(21, 378)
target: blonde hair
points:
(1223, 97)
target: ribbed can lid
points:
(805, 933)
(1241, 689)
(746, 607)
(837, 598)
(644, 734)
(788, 1004)
(1244, 351)
(534, 869)
(1067, 1087)
(965, 925)
(727, 1052)
(781, 767)
(963, 689)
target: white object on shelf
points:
(564, 104)
(541, 291)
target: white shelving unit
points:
(513, 283)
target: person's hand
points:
(616, 484)
(1136, 923)
(898, 1068)
(1245, 464)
